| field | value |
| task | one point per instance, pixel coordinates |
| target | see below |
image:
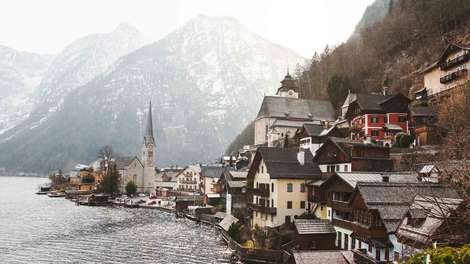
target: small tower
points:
(148, 153)
(288, 87)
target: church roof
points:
(296, 109)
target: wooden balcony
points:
(454, 62)
(343, 223)
(263, 209)
(341, 206)
(453, 76)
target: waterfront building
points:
(378, 117)
(345, 155)
(189, 179)
(140, 171)
(166, 180)
(448, 73)
(377, 210)
(233, 191)
(210, 175)
(280, 116)
(330, 199)
(277, 181)
(315, 234)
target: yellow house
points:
(277, 179)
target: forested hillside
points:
(389, 52)
(393, 41)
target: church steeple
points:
(288, 87)
(148, 137)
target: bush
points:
(260, 236)
(444, 255)
(234, 231)
(131, 188)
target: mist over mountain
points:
(20, 74)
(206, 81)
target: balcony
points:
(341, 206)
(262, 209)
(369, 231)
(452, 76)
(454, 62)
(260, 192)
(343, 223)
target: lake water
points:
(38, 229)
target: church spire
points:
(148, 137)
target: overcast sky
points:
(47, 26)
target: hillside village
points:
(359, 184)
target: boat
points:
(55, 194)
(43, 189)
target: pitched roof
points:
(321, 256)
(296, 109)
(313, 129)
(148, 138)
(236, 184)
(288, 123)
(374, 102)
(212, 171)
(123, 162)
(349, 99)
(392, 200)
(227, 222)
(282, 163)
(313, 226)
(352, 178)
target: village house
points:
(280, 116)
(277, 181)
(312, 136)
(423, 125)
(448, 72)
(233, 191)
(330, 199)
(322, 256)
(189, 179)
(210, 175)
(377, 210)
(345, 155)
(166, 181)
(378, 117)
(314, 234)
(430, 220)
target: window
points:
(370, 247)
(346, 242)
(374, 133)
(353, 243)
(272, 218)
(302, 204)
(402, 119)
(272, 187)
(385, 119)
(289, 187)
(387, 254)
(346, 168)
(302, 187)
(289, 204)
(374, 119)
(377, 253)
(272, 202)
(337, 168)
(287, 220)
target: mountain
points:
(206, 81)
(74, 66)
(374, 13)
(20, 74)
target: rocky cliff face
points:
(206, 81)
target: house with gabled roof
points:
(312, 136)
(431, 220)
(378, 117)
(378, 209)
(449, 72)
(277, 180)
(233, 191)
(345, 155)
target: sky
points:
(305, 26)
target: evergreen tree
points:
(338, 88)
(131, 188)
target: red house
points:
(378, 117)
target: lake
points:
(38, 229)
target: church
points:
(140, 171)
